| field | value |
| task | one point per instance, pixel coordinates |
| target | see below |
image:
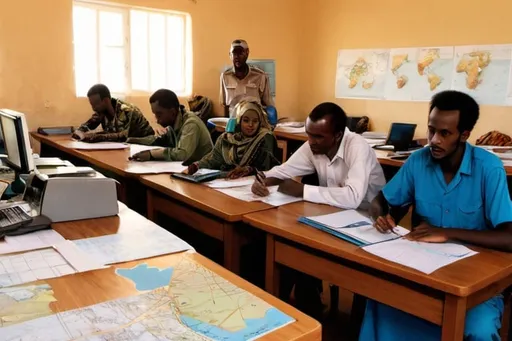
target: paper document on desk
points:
(30, 241)
(137, 148)
(424, 257)
(95, 146)
(50, 161)
(32, 266)
(352, 226)
(147, 241)
(226, 183)
(244, 193)
(155, 167)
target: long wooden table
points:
(441, 298)
(93, 287)
(202, 208)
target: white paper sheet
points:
(424, 257)
(95, 146)
(50, 161)
(226, 183)
(148, 241)
(155, 167)
(78, 259)
(137, 148)
(244, 193)
(31, 241)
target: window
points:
(134, 51)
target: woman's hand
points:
(192, 169)
(239, 172)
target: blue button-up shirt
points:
(477, 198)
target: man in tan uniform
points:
(243, 80)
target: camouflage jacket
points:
(128, 121)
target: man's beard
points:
(448, 156)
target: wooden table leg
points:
(232, 248)
(150, 207)
(454, 317)
(271, 269)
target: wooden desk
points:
(442, 297)
(98, 286)
(204, 209)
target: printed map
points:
(418, 73)
(197, 304)
(361, 73)
(19, 304)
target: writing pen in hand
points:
(260, 177)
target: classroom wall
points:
(36, 52)
(330, 25)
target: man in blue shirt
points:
(459, 193)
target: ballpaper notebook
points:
(202, 175)
(353, 227)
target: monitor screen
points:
(16, 141)
(401, 134)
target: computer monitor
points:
(17, 146)
(401, 135)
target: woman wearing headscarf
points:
(251, 147)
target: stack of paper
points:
(244, 193)
(424, 257)
(353, 227)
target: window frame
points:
(125, 10)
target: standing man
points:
(118, 119)
(242, 80)
(459, 194)
(186, 137)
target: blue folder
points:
(329, 230)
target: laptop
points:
(400, 137)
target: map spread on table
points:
(196, 304)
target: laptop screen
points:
(401, 134)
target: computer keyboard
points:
(12, 218)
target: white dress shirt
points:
(351, 180)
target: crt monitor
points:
(17, 145)
(401, 135)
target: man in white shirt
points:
(349, 173)
(349, 177)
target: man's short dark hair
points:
(165, 98)
(99, 89)
(337, 114)
(468, 108)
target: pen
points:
(260, 177)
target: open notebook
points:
(352, 226)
